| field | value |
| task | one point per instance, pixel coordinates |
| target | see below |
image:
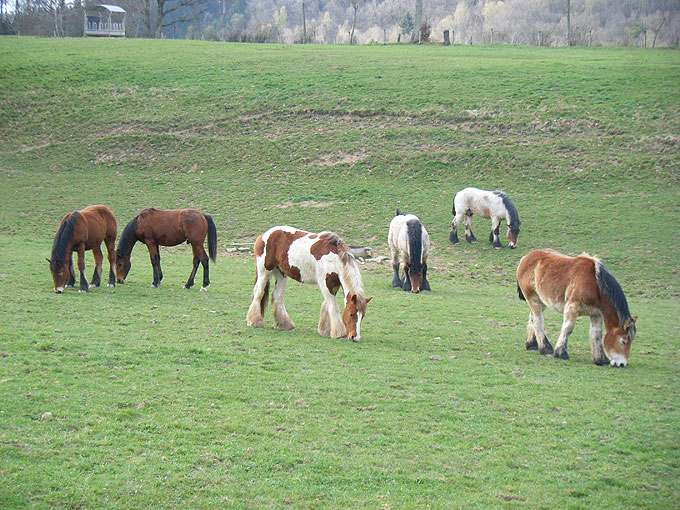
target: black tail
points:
(519, 293)
(453, 210)
(415, 244)
(212, 237)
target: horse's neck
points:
(131, 244)
(350, 279)
(611, 317)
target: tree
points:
(355, 6)
(406, 24)
(304, 24)
(171, 12)
(418, 21)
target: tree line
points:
(648, 23)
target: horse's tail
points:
(212, 237)
(453, 210)
(415, 244)
(519, 293)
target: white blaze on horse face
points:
(358, 335)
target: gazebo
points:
(104, 19)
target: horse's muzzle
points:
(618, 361)
(59, 290)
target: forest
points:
(647, 23)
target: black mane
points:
(64, 234)
(611, 288)
(415, 244)
(512, 212)
(128, 237)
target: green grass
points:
(164, 398)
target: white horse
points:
(409, 245)
(487, 204)
(320, 259)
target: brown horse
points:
(168, 228)
(79, 231)
(575, 286)
(318, 259)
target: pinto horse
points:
(79, 231)
(409, 245)
(319, 259)
(157, 228)
(487, 204)
(575, 286)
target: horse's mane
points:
(338, 246)
(414, 231)
(127, 236)
(350, 269)
(512, 212)
(64, 234)
(611, 288)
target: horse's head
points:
(60, 274)
(122, 266)
(355, 310)
(512, 237)
(617, 342)
(415, 278)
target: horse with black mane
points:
(156, 228)
(575, 286)
(321, 259)
(488, 204)
(409, 245)
(80, 231)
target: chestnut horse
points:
(575, 286)
(319, 259)
(487, 204)
(79, 231)
(157, 228)
(409, 245)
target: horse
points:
(321, 259)
(409, 245)
(575, 286)
(156, 228)
(79, 231)
(487, 204)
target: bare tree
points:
(418, 21)
(355, 6)
(304, 24)
(191, 10)
(568, 22)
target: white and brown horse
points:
(488, 204)
(319, 259)
(575, 286)
(409, 245)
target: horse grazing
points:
(79, 231)
(409, 246)
(319, 259)
(575, 286)
(157, 228)
(487, 204)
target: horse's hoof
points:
(82, 290)
(92, 285)
(561, 354)
(110, 285)
(497, 247)
(152, 286)
(204, 289)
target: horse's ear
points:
(629, 322)
(48, 260)
(368, 299)
(354, 299)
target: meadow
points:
(164, 398)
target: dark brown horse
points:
(575, 286)
(79, 231)
(157, 228)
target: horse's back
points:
(95, 224)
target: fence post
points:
(447, 41)
(492, 36)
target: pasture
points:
(164, 398)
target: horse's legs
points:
(425, 285)
(596, 345)
(531, 344)
(453, 236)
(406, 280)
(337, 328)
(111, 255)
(200, 257)
(82, 286)
(281, 319)
(72, 271)
(190, 281)
(254, 317)
(396, 282)
(469, 236)
(155, 257)
(324, 328)
(570, 315)
(537, 307)
(493, 236)
(98, 258)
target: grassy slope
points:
(167, 400)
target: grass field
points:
(164, 398)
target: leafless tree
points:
(193, 8)
(418, 21)
(355, 6)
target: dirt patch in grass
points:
(342, 158)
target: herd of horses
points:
(573, 286)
